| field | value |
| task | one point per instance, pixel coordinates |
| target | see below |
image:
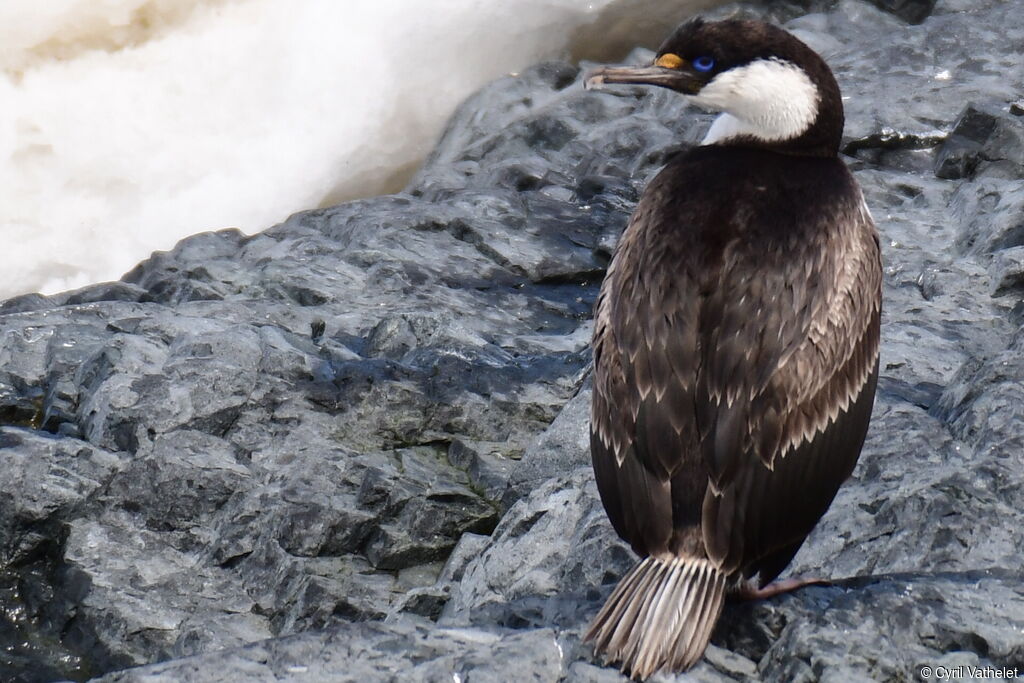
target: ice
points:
(126, 125)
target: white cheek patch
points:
(769, 99)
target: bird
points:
(735, 341)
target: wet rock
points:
(912, 11)
(486, 464)
(981, 135)
(179, 481)
(563, 447)
(425, 511)
(138, 598)
(555, 538)
(356, 445)
(1008, 272)
(990, 213)
(45, 480)
(915, 81)
(410, 648)
(833, 633)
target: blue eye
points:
(704, 63)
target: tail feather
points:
(660, 616)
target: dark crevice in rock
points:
(911, 11)
(22, 415)
(888, 139)
(924, 394)
(983, 134)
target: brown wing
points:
(778, 454)
(642, 412)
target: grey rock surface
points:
(354, 446)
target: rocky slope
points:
(353, 447)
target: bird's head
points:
(774, 91)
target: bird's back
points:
(716, 333)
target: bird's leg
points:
(749, 591)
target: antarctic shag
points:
(735, 341)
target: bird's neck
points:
(730, 131)
(726, 127)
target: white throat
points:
(769, 99)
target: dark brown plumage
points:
(735, 342)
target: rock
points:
(824, 633)
(925, 74)
(178, 482)
(410, 648)
(555, 538)
(979, 136)
(990, 213)
(563, 447)
(486, 464)
(105, 291)
(46, 479)
(1008, 272)
(912, 11)
(356, 445)
(25, 302)
(146, 599)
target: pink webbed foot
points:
(748, 591)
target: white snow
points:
(126, 125)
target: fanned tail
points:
(660, 616)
